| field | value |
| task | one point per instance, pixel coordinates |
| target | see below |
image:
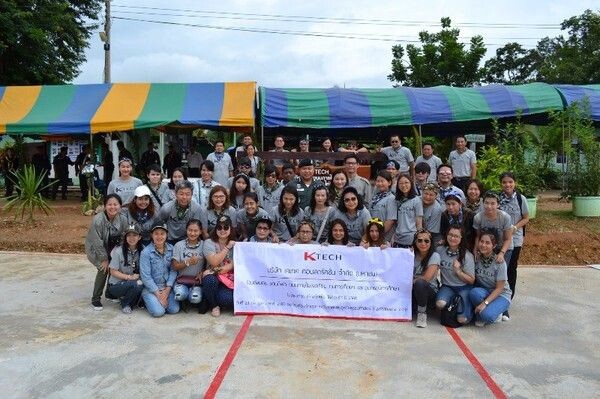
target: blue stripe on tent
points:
(275, 111)
(503, 101)
(428, 105)
(351, 102)
(2, 89)
(76, 118)
(572, 93)
(203, 104)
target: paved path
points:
(52, 344)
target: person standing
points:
(149, 157)
(444, 180)
(362, 185)
(400, 154)
(222, 162)
(82, 159)
(41, 165)
(125, 184)
(108, 164)
(306, 183)
(172, 161)
(433, 161)
(246, 141)
(463, 162)
(61, 164)
(10, 164)
(124, 152)
(279, 144)
(194, 161)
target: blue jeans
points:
(447, 293)
(155, 308)
(183, 292)
(215, 293)
(491, 312)
(129, 292)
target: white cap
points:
(141, 191)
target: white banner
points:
(323, 281)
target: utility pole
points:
(106, 39)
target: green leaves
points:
(29, 197)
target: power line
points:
(359, 21)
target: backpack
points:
(450, 313)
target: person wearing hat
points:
(400, 154)
(188, 261)
(141, 212)
(222, 162)
(393, 167)
(217, 280)
(432, 210)
(305, 183)
(262, 232)
(456, 213)
(270, 191)
(245, 167)
(124, 281)
(178, 212)
(432, 160)
(105, 233)
(444, 181)
(499, 222)
(157, 274)
(125, 184)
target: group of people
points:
(171, 244)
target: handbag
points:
(188, 281)
(449, 314)
(226, 279)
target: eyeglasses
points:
(221, 228)
(454, 236)
(350, 199)
(423, 240)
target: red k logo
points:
(309, 256)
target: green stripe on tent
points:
(163, 105)
(388, 107)
(311, 108)
(467, 105)
(49, 106)
(540, 97)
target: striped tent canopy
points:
(402, 106)
(124, 106)
(586, 94)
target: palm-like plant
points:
(29, 194)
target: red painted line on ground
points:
(320, 317)
(487, 378)
(222, 371)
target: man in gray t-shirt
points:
(432, 160)
(400, 154)
(463, 162)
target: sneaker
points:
(111, 298)
(127, 310)
(498, 319)
(505, 316)
(422, 320)
(97, 305)
(479, 324)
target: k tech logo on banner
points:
(319, 281)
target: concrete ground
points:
(53, 345)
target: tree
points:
(43, 41)
(512, 65)
(442, 60)
(575, 59)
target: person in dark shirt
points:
(108, 164)
(172, 161)
(82, 159)
(61, 164)
(149, 157)
(41, 165)
(124, 152)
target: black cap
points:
(245, 161)
(265, 220)
(160, 226)
(306, 162)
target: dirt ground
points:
(554, 237)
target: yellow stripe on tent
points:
(121, 107)
(17, 102)
(238, 104)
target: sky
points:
(152, 52)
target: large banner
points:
(323, 281)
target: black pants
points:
(63, 182)
(9, 183)
(83, 186)
(108, 174)
(512, 270)
(423, 294)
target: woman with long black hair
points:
(426, 266)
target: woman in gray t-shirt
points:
(425, 283)
(353, 212)
(457, 269)
(406, 212)
(188, 261)
(287, 215)
(125, 184)
(491, 294)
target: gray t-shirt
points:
(248, 223)
(177, 225)
(405, 214)
(269, 197)
(378, 204)
(511, 206)
(162, 192)
(124, 188)
(223, 165)
(280, 227)
(501, 224)
(461, 163)
(447, 271)
(363, 186)
(317, 219)
(203, 189)
(418, 270)
(402, 155)
(209, 218)
(432, 217)
(182, 252)
(117, 262)
(356, 225)
(486, 276)
(254, 183)
(210, 248)
(434, 162)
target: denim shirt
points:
(155, 269)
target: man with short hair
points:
(263, 231)
(306, 183)
(108, 164)
(124, 152)
(194, 161)
(362, 185)
(223, 165)
(279, 144)
(463, 162)
(61, 164)
(178, 212)
(432, 211)
(431, 159)
(172, 161)
(149, 157)
(83, 159)
(246, 141)
(422, 171)
(400, 154)
(444, 180)
(288, 172)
